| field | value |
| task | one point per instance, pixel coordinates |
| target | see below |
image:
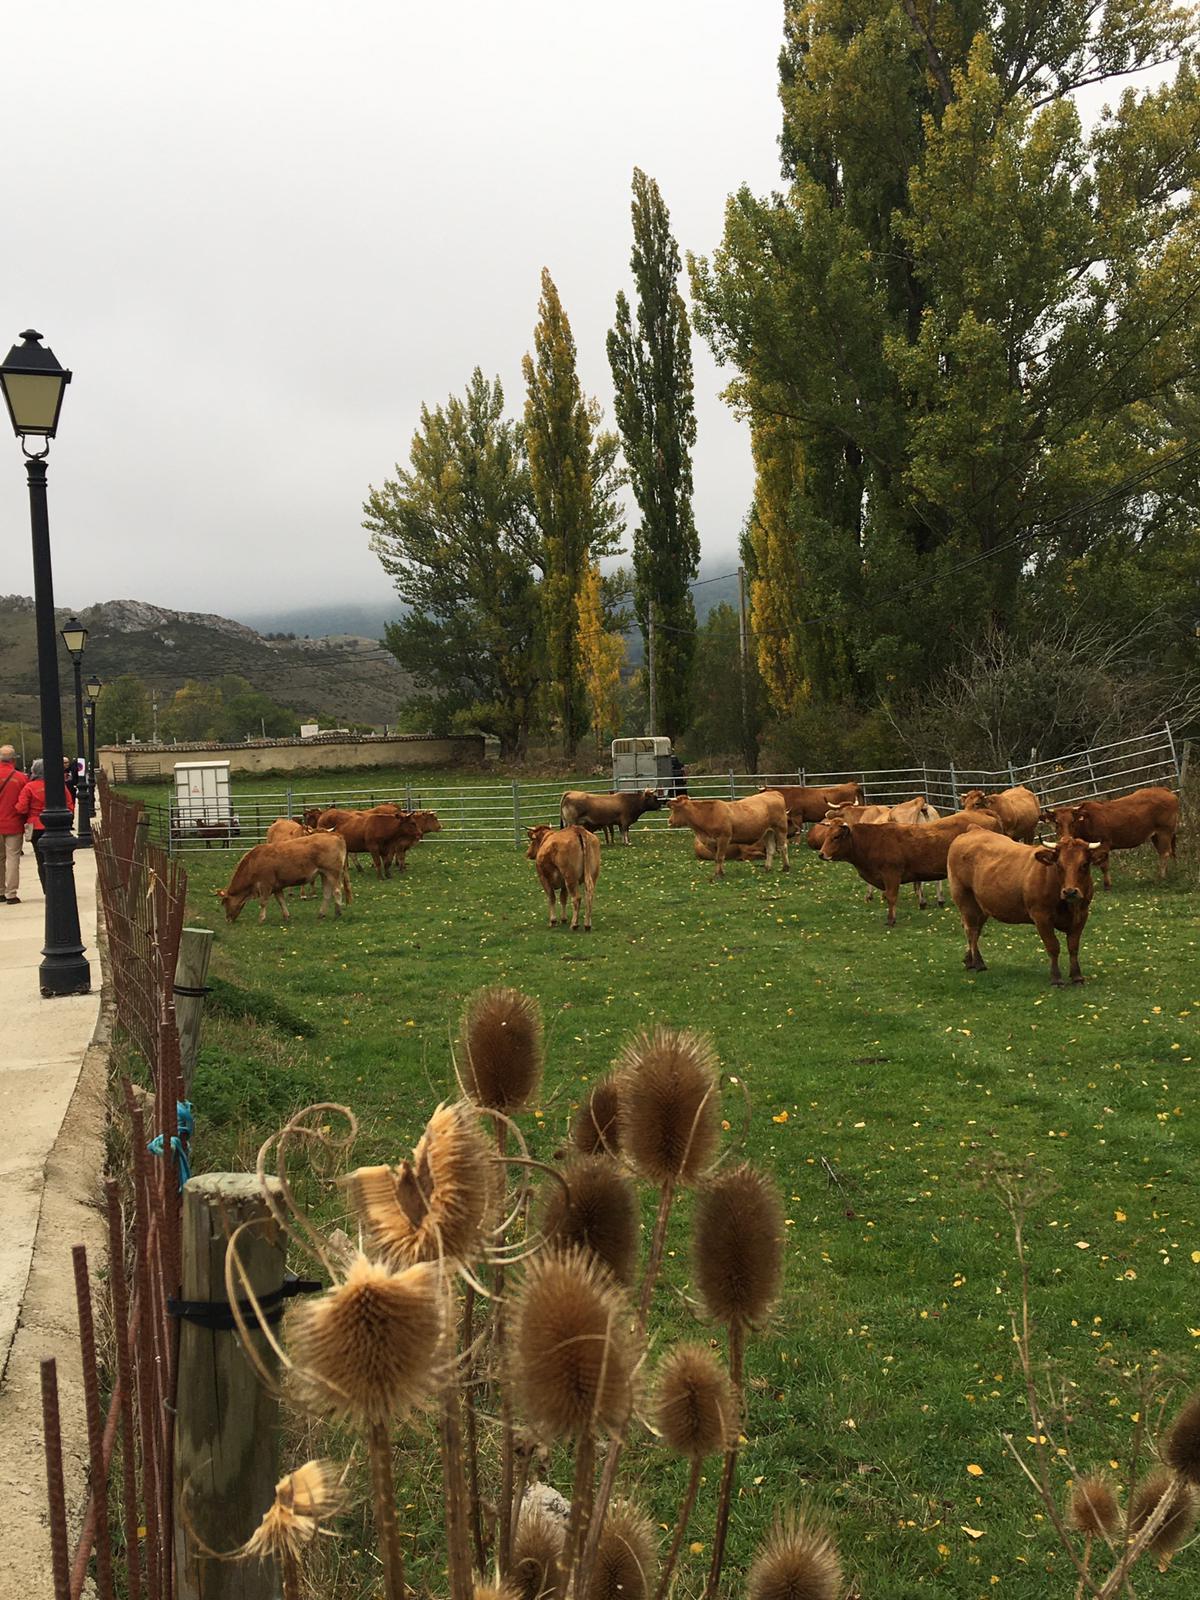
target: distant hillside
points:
(365, 621)
(344, 679)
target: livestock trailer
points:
(203, 807)
(646, 764)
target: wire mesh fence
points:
(125, 1540)
(500, 810)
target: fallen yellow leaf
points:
(975, 1471)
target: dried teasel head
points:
(796, 1563)
(737, 1245)
(596, 1208)
(1181, 1447)
(626, 1562)
(537, 1550)
(595, 1130)
(495, 1591)
(500, 1049)
(370, 1349)
(571, 1354)
(695, 1407)
(439, 1205)
(306, 1498)
(1180, 1518)
(1093, 1508)
(667, 1104)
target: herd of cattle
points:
(988, 851)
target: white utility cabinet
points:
(202, 794)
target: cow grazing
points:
(269, 869)
(1123, 824)
(808, 804)
(566, 858)
(1050, 886)
(888, 855)
(1018, 810)
(606, 811)
(758, 819)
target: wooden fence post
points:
(191, 971)
(226, 1420)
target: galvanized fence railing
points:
(124, 1544)
(500, 810)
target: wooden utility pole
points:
(650, 664)
(191, 971)
(226, 1419)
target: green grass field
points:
(883, 1082)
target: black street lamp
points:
(74, 636)
(33, 384)
(92, 687)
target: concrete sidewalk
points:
(40, 1061)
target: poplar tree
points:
(651, 362)
(559, 443)
(601, 654)
(962, 319)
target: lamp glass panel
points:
(75, 639)
(33, 400)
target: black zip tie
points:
(189, 993)
(216, 1316)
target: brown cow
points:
(808, 804)
(566, 857)
(606, 811)
(269, 869)
(288, 828)
(758, 819)
(1050, 886)
(374, 832)
(1018, 810)
(419, 823)
(1123, 824)
(704, 851)
(910, 813)
(889, 855)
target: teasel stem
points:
(581, 1507)
(468, 1335)
(458, 1548)
(737, 1348)
(658, 1239)
(521, 1485)
(507, 1431)
(289, 1574)
(1087, 1561)
(379, 1451)
(685, 1512)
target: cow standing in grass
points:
(758, 819)
(376, 832)
(809, 803)
(1018, 810)
(1123, 824)
(887, 855)
(566, 858)
(1050, 886)
(606, 811)
(269, 869)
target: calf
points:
(1123, 824)
(269, 869)
(374, 832)
(1050, 886)
(704, 851)
(416, 825)
(1018, 810)
(606, 811)
(806, 803)
(887, 856)
(566, 858)
(758, 819)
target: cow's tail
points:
(562, 814)
(582, 855)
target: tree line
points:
(965, 333)
(227, 710)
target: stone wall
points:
(135, 763)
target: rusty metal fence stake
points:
(52, 1433)
(95, 1431)
(121, 1333)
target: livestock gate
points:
(500, 811)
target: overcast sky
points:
(262, 234)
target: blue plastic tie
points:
(181, 1144)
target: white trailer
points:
(644, 764)
(202, 798)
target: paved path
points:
(41, 1054)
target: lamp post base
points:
(64, 968)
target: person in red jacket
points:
(29, 807)
(12, 825)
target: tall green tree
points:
(651, 361)
(962, 320)
(455, 531)
(572, 478)
(123, 710)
